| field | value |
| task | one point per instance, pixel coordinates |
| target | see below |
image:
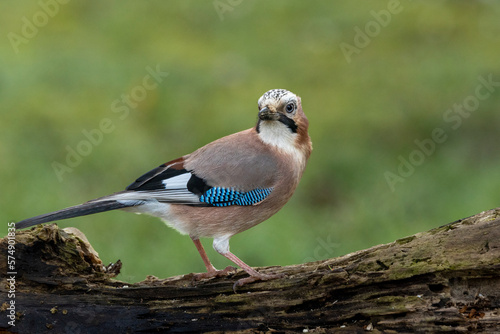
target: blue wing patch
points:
(218, 196)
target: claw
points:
(215, 273)
(254, 278)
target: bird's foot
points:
(215, 273)
(256, 277)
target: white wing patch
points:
(171, 196)
(177, 182)
(174, 191)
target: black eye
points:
(290, 107)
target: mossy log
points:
(443, 280)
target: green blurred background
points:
(366, 111)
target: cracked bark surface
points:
(440, 281)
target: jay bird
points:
(223, 188)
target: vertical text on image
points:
(11, 274)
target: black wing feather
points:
(153, 180)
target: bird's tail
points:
(84, 209)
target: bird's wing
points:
(226, 172)
(239, 160)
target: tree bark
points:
(443, 280)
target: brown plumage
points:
(223, 188)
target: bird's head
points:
(282, 123)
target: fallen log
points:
(443, 280)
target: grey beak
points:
(266, 114)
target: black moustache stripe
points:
(290, 123)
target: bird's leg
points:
(211, 271)
(254, 275)
(221, 245)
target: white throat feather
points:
(278, 135)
